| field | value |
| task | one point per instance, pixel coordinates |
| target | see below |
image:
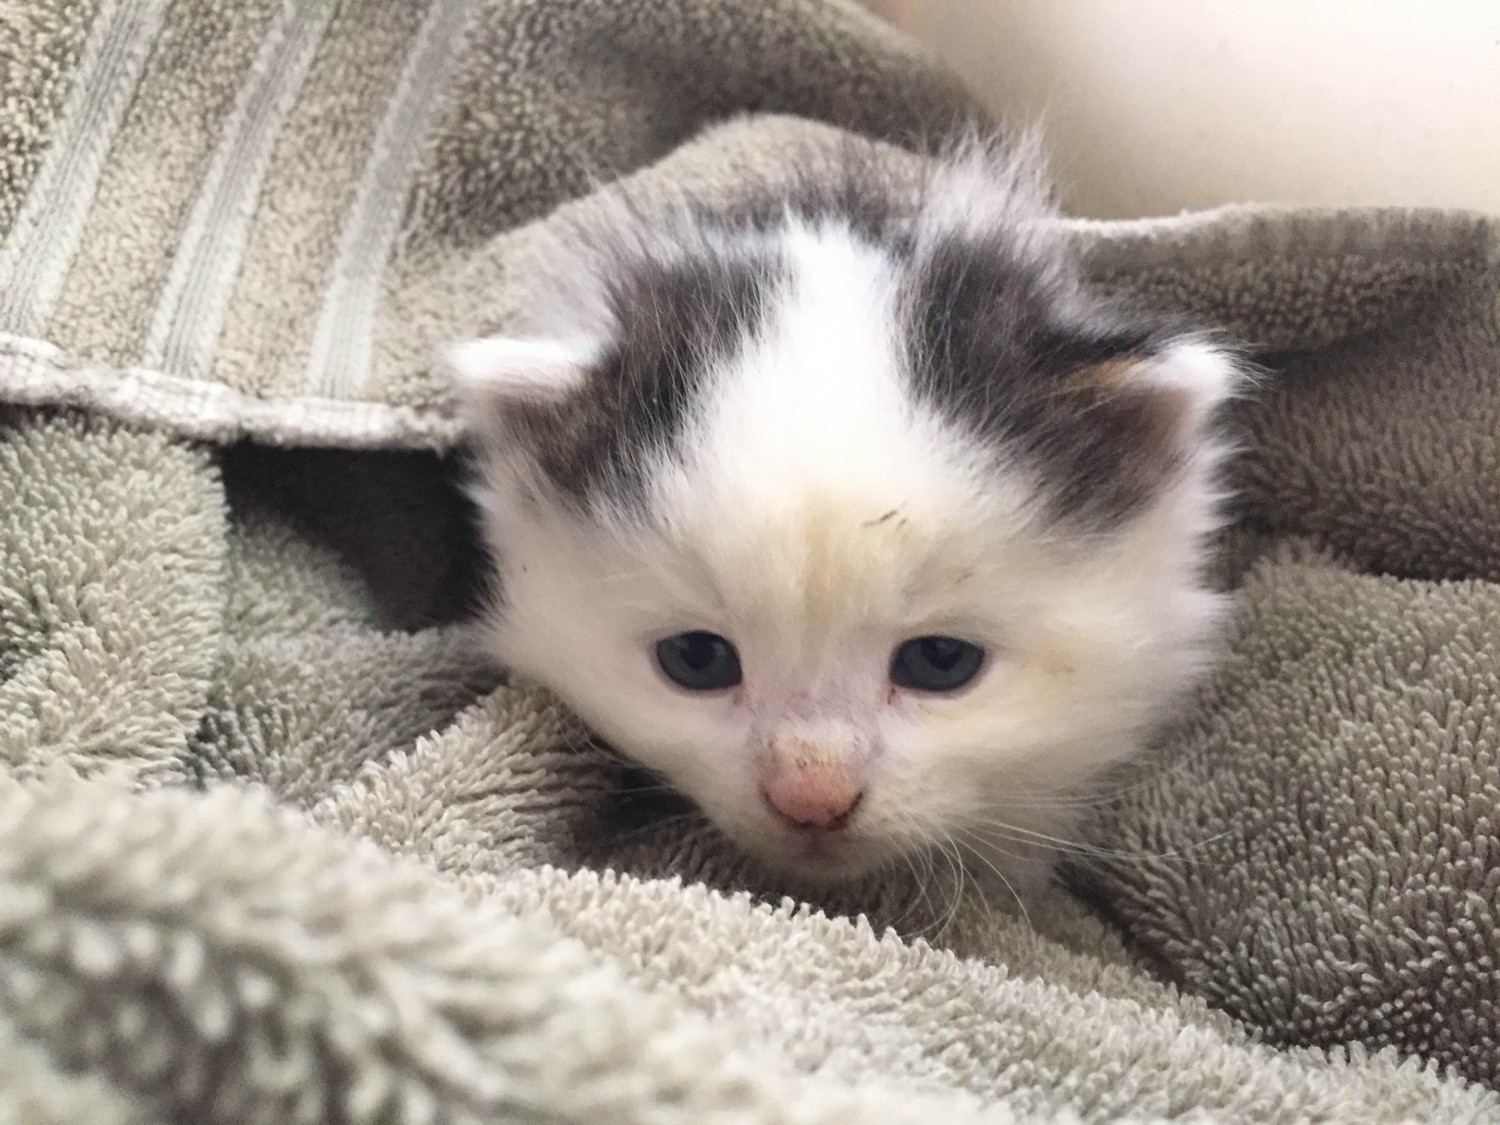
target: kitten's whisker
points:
(918, 890)
(1146, 773)
(676, 821)
(1017, 856)
(654, 791)
(931, 877)
(1016, 834)
(934, 911)
(1060, 802)
(1020, 902)
(942, 919)
(1096, 793)
(922, 878)
(1025, 836)
(958, 893)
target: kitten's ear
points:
(1203, 376)
(503, 370)
(1177, 391)
(1140, 415)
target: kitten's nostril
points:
(817, 803)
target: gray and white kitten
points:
(849, 511)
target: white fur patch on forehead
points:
(817, 488)
(817, 403)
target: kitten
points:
(848, 510)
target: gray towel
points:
(275, 846)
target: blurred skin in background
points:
(1158, 106)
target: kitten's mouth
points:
(815, 846)
(820, 855)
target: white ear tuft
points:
(510, 369)
(1207, 375)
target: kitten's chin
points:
(818, 860)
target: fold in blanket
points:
(275, 846)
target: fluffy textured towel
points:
(275, 847)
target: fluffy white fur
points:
(817, 517)
(523, 369)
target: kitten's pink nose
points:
(823, 799)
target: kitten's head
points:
(848, 511)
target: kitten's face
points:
(830, 709)
(769, 545)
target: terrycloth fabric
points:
(275, 846)
(259, 217)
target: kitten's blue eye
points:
(699, 661)
(936, 664)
